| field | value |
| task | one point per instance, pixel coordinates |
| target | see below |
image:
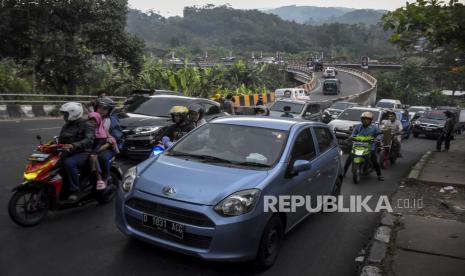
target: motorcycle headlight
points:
(146, 129)
(129, 179)
(238, 203)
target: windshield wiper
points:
(206, 158)
(252, 164)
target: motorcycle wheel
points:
(109, 193)
(25, 209)
(356, 172)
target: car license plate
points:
(428, 129)
(164, 225)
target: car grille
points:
(428, 125)
(171, 213)
(139, 143)
(188, 239)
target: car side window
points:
(323, 138)
(211, 109)
(304, 148)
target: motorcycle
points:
(43, 188)
(389, 150)
(361, 151)
(326, 117)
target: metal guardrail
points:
(8, 98)
(304, 75)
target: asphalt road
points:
(85, 241)
(349, 85)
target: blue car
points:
(205, 195)
(405, 120)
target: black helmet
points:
(106, 102)
(196, 108)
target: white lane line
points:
(43, 128)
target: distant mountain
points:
(302, 14)
(368, 17)
(318, 15)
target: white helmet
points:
(74, 110)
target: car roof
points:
(291, 101)
(182, 97)
(366, 108)
(389, 101)
(258, 121)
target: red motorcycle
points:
(43, 190)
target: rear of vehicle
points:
(331, 87)
(329, 73)
(387, 103)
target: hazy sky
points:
(175, 7)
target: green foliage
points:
(60, 39)
(12, 79)
(252, 30)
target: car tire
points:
(270, 244)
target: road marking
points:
(43, 128)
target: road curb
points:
(372, 259)
(414, 174)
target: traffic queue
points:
(208, 168)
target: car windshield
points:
(355, 114)
(341, 106)
(385, 104)
(295, 107)
(330, 85)
(233, 144)
(439, 115)
(158, 107)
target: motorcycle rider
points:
(181, 126)
(77, 135)
(366, 129)
(196, 113)
(287, 112)
(396, 128)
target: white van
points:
(292, 93)
(389, 103)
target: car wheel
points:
(270, 244)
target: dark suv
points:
(144, 120)
(430, 124)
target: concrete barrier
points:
(4, 112)
(49, 108)
(14, 111)
(26, 110)
(251, 100)
(38, 111)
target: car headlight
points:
(441, 125)
(146, 129)
(128, 179)
(238, 203)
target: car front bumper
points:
(227, 239)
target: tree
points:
(61, 38)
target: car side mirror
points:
(301, 166)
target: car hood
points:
(430, 121)
(343, 124)
(196, 182)
(131, 120)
